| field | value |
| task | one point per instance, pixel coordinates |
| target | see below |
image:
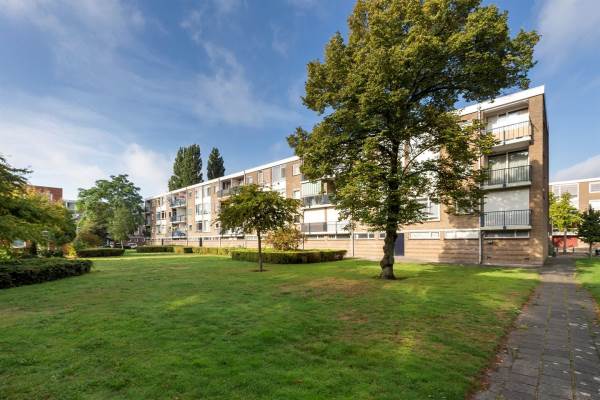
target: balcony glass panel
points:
(318, 200)
(506, 176)
(506, 218)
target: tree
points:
(104, 205)
(286, 238)
(26, 215)
(187, 168)
(122, 224)
(589, 228)
(389, 136)
(215, 167)
(254, 210)
(563, 215)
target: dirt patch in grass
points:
(330, 286)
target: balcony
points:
(178, 202)
(324, 227)
(513, 133)
(178, 234)
(178, 218)
(316, 201)
(228, 192)
(511, 219)
(508, 177)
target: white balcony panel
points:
(314, 215)
(507, 200)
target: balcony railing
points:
(318, 200)
(324, 227)
(506, 176)
(178, 234)
(178, 218)
(516, 131)
(506, 219)
(178, 202)
(228, 191)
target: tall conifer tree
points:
(187, 168)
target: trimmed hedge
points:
(182, 250)
(29, 271)
(289, 257)
(154, 249)
(100, 252)
(217, 251)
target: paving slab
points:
(554, 351)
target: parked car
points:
(131, 245)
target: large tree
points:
(252, 210)
(215, 167)
(389, 134)
(187, 168)
(102, 206)
(589, 228)
(563, 215)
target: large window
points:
(424, 235)
(278, 173)
(570, 188)
(461, 234)
(506, 234)
(595, 187)
(296, 169)
(430, 208)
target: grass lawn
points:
(202, 327)
(588, 274)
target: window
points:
(364, 235)
(250, 180)
(158, 215)
(595, 204)
(162, 215)
(507, 235)
(261, 177)
(570, 188)
(296, 169)
(595, 187)
(198, 209)
(199, 226)
(461, 234)
(206, 226)
(430, 208)
(424, 235)
(296, 194)
(278, 173)
(206, 191)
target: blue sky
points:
(92, 88)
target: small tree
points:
(388, 94)
(589, 228)
(187, 168)
(254, 210)
(287, 238)
(122, 224)
(563, 215)
(215, 167)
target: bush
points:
(182, 250)
(289, 257)
(100, 252)
(154, 249)
(217, 251)
(51, 253)
(87, 239)
(288, 238)
(26, 272)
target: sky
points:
(91, 88)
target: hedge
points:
(182, 250)
(154, 249)
(217, 251)
(36, 270)
(100, 252)
(289, 257)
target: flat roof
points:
(575, 181)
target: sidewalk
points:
(553, 353)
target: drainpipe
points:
(480, 256)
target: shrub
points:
(288, 238)
(182, 249)
(100, 252)
(86, 239)
(51, 253)
(217, 251)
(289, 257)
(25, 272)
(154, 249)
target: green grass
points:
(588, 274)
(202, 327)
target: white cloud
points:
(567, 26)
(589, 168)
(70, 147)
(192, 23)
(278, 43)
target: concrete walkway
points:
(553, 353)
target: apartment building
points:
(584, 193)
(54, 194)
(510, 229)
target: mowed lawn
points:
(588, 274)
(201, 327)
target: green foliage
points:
(122, 224)
(563, 215)
(86, 239)
(388, 96)
(104, 206)
(252, 209)
(154, 249)
(589, 228)
(51, 253)
(215, 167)
(217, 251)
(289, 256)
(187, 168)
(36, 270)
(182, 250)
(100, 252)
(286, 238)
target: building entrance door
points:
(399, 245)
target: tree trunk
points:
(590, 249)
(260, 259)
(565, 242)
(387, 262)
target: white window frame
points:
(428, 206)
(461, 234)
(364, 236)
(297, 197)
(508, 234)
(594, 183)
(424, 235)
(295, 169)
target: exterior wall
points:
(54, 194)
(361, 243)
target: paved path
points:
(554, 351)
